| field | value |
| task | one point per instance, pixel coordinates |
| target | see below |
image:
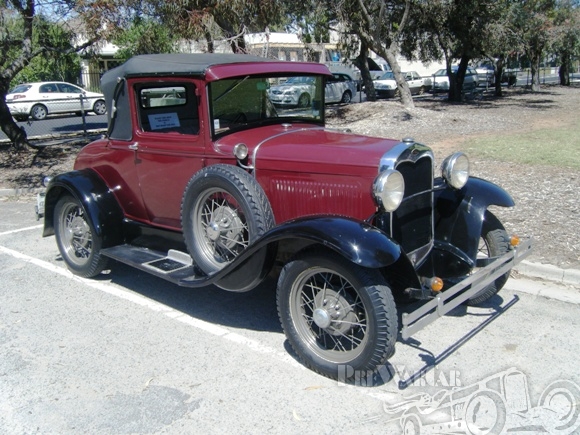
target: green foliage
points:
(145, 36)
(58, 63)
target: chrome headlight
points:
(388, 189)
(455, 170)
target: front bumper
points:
(462, 291)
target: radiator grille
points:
(412, 222)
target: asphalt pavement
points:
(129, 353)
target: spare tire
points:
(223, 211)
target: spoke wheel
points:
(224, 210)
(220, 227)
(78, 244)
(339, 318)
(494, 242)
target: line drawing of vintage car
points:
(495, 405)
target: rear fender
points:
(459, 214)
(101, 206)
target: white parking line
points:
(218, 331)
(21, 229)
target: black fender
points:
(357, 241)
(459, 214)
(99, 202)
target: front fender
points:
(459, 214)
(359, 242)
(97, 199)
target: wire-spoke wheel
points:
(221, 227)
(340, 318)
(224, 210)
(77, 241)
(494, 242)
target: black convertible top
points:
(185, 64)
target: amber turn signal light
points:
(514, 241)
(436, 284)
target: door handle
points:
(134, 146)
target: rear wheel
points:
(38, 112)
(494, 242)
(78, 243)
(340, 318)
(100, 107)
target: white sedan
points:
(38, 100)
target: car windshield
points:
(387, 76)
(250, 101)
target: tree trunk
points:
(390, 55)
(365, 75)
(535, 72)
(498, 72)
(564, 71)
(15, 133)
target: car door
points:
(414, 82)
(169, 146)
(69, 98)
(332, 92)
(51, 97)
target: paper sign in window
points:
(163, 120)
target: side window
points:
(69, 89)
(168, 108)
(48, 87)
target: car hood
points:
(309, 149)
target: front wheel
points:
(494, 242)
(340, 318)
(304, 100)
(78, 243)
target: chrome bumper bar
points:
(456, 295)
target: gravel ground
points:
(547, 200)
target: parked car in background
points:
(200, 180)
(386, 85)
(486, 74)
(299, 91)
(441, 81)
(340, 85)
(38, 100)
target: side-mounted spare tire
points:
(223, 211)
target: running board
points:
(173, 266)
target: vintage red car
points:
(202, 180)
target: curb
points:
(549, 273)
